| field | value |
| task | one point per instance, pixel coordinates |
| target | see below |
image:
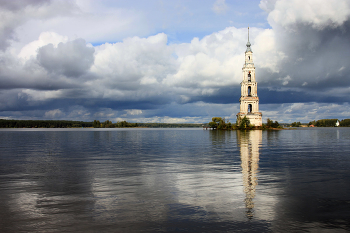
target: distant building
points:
(249, 101)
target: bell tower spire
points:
(248, 43)
(249, 101)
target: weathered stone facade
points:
(249, 101)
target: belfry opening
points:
(249, 101)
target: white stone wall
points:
(254, 118)
(244, 106)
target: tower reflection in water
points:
(249, 143)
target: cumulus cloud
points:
(265, 50)
(31, 50)
(72, 58)
(135, 60)
(288, 14)
(214, 61)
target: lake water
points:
(174, 180)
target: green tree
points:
(276, 125)
(244, 123)
(215, 122)
(222, 124)
(296, 124)
(271, 124)
(96, 124)
(107, 124)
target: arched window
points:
(249, 108)
(249, 77)
(249, 91)
(249, 58)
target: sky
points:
(174, 61)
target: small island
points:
(242, 124)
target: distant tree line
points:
(124, 124)
(170, 125)
(330, 123)
(296, 124)
(109, 124)
(43, 124)
(95, 124)
(345, 123)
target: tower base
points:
(254, 118)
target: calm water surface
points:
(174, 180)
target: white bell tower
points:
(249, 101)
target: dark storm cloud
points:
(14, 100)
(224, 95)
(6, 34)
(144, 104)
(315, 55)
(30, 75)
(268, 96)
(16, 80)
(71, 59)
(316, 67)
